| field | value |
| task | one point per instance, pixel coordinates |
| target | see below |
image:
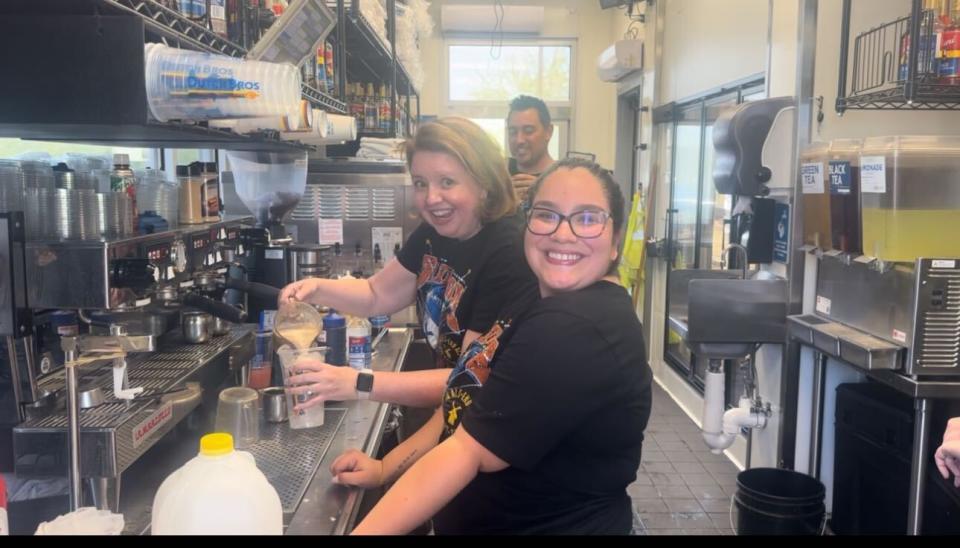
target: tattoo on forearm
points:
(398, 471)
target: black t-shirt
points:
(473, 366)
(514, 168)
(566, 404)
(464, 284)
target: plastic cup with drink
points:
(289, 359)
(300, 324)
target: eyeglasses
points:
(588, 223)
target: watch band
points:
(364, 383)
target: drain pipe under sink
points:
(719, 428)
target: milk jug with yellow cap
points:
(219, 492)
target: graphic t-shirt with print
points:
(464, 284)
(566, 402)
(473, 367)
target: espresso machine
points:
(106, 377)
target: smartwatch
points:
(364, 383)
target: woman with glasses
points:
(461, 267)
(553, 438)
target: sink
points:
(678, 293)
(728, 319)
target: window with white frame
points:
(140, 158)
(481, 79)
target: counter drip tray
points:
(290, 458)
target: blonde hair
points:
(479, 155)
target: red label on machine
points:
(152, 424)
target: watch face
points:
(364, 382)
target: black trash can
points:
(773, 501)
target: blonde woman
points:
(461, 267)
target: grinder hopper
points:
(270, 184)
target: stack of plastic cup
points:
(155, 193)
(190, 85)
(11, 186)
(37, 174)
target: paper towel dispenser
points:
(739, 136)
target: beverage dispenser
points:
(896, 303)
(814, 174)
(911, 197)
(843, 167)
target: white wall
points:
(709, 43)
(595, 101)
(865, 15)
(782, 66)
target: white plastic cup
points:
(341, 128)
(327, 129)
(311, 133)
(299, 124)
(247, 125)
(238, 414)
(304, 418)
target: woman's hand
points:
(357, 469)
(947, 456)
(299, 291)
(321, 382)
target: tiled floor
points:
(681, 488)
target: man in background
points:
(529, 130)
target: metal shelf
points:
(375, 133)
(926, 97)
(186, 34)
(366, 48)
(173, 26)
(92, 100)
(371, 55)
(107, 98)
(880, 79)
(321, 99)
(151, 134)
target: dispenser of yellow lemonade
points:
(910, 197)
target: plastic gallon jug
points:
(218, 492)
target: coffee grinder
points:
(270, 184)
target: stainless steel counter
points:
(329, 509)
(287, 457)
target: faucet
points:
(746, 260)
